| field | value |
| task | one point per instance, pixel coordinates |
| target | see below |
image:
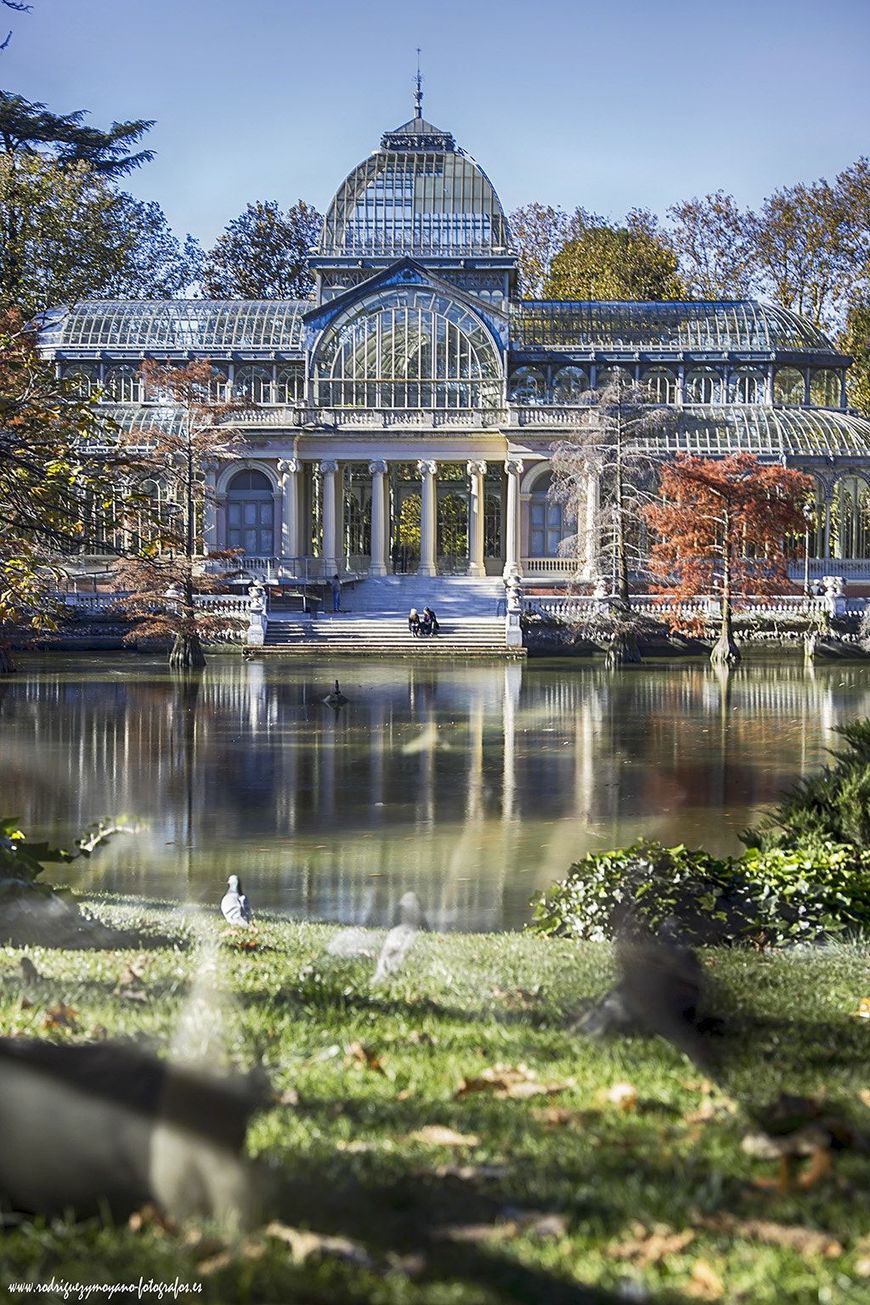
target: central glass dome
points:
(418, 195)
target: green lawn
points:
(548, 1199)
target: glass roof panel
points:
(729, 325)
(766, 432)
(419, 194)
(180, 324)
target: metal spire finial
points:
(418, 95)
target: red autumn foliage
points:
(722, 526)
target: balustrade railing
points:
(577, 606)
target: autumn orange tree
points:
(721, 525)
(61, 474)
(183, 436)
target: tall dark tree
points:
(855, 340)
(28, 127)
(262, 254)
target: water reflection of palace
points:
(474, 786)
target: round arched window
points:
(83, 379)
(703, 385)
(122, 385)
(746, 385)
(546, 526)
(825, 388)
(253, 384)
(289, 384)
(789, 387)
(570, 385)
(408, 347)
(251, 513)
(527, 385)
(661, 385)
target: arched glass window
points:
(408, 347)
(545, 520)
(570, 385)
(746, 385)
(289, 384)
(218, 389)
(83, 379)
(527, 385)
(850, 518)
(703, 385)
(123, 384)
(253, 383)
(661, 385)
(251, 514)
(789, 387)
(825, 388)
(607, 375)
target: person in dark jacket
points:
(429, 620)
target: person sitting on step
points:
(414, 623)
(430, 620)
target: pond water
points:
(475, 785)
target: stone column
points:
(209, 510)
(513, 467)
(288, 469)
(590, 528)
(378, 559)
(328, 468)
(476, 506)
(428, 565)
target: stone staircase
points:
(374, 622)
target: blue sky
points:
(635, 102)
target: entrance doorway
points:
(251, 514)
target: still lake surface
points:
(475, 785)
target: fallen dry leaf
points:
(624, 1096)
(807, 1241)
(562, 1116)
(289, 1097)
(150, 1217)
(250, 1249)
(61, 1017)
(863, 1011)
(648, 1246)
(303, 1244)
(705, 1283)
(133, 973)
(864, 1096)
(468, 1173)
(516, 1082)
(441, 1135)
(365, 1058)
(479, 1232)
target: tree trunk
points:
(7, 665)
(725, 650)
(187, 654)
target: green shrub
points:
(764, 897)
(831, 806)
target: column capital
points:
(476, 468)
(426, 467)
(289, 466)
(377, 467)
(328, 467)
(513, 466)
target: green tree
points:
(28, 127)
(712, 241)
(855, 340)
(67, 232)
(811, 244)
(262, 254)
(602, 261)
(60, 466)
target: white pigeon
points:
(397, 944)
(234, 904)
